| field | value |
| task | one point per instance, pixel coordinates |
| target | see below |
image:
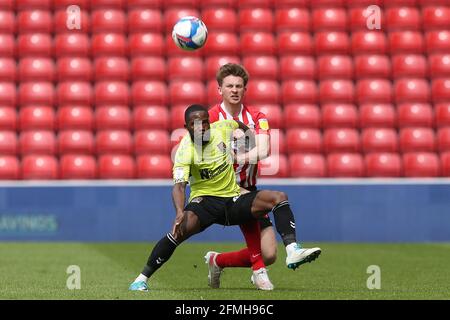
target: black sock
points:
(161, 253)
(285, 222)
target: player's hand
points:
(177, 230)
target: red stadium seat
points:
(144, 4)
(327, 3)
(440, 90)
(439, 65)
(37, 118)
(39, 167)
(341, 140)
(262, 67)
(113, 117)
(295, 43)
(359, 17)
(8, 72)
(74, 69)
(425, 3)
(108, 20)
(8, 94)
(212, 64)
(258, 43)
(212, 92)
(256, 19)
(374, 90)
(172, 15)
(148, 68)
(109, 44)
(294, 67)
(372, 66)
(69, 92)
(302, 116)
(417, 139)
(9, 168)
(363, 3)
(278, 144)
(185, 68)
(304, 140)
(72, 45)
(113, 142)
(409, 66)
(8, 143)
(436, 18)
(379, 140)
(403, 18)
(263, 91)
(111, 69)
(111, 93)
(443, 139)
(437, 41)
(145, 20)
(415, 115)
(336, 91)
(187, 92)
(177, 116)
(37, 142)
(301, 91)
(154, 167)
(292, 19)
(445, 164)
(274, 114)
(7, 22)
(336, 115)
(331, 42)
(7, 5)
(383, 165)
(220, 19)
(77, 22)
(8, 118)
(116, 167)
(40, 69)
(369, 42)
(34, 45)
(146, 44)
(442, 111)
(76, 142)
(400, 3)
(7, 46)
(148, 117)
(406, 42)
(421, 164)
(75, 117)
(34, 21)
(80, 167)
(151, 142)
(42, 93)
(220, 44)
(377, 115)
(33, 4)
(345, 165)
(335, 67)
(329, 19)
(100, 4)
(149, 92)
(274, 166)
(254, 3)
(411, 90)
(307, 165)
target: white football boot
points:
(297, 256)
(261, 280)
(214, 271)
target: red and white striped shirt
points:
(245, 173)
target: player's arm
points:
(178, 198)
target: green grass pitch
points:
(38, 271)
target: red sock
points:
(250, 256)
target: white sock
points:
(141, 277)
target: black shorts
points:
(225, 211)
(264, 221)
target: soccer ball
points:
(189, 33)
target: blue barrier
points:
(325, 211)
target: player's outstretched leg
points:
(278, 203)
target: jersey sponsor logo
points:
(263, 124)
(222, 147)
(209, 174)
(197, 200)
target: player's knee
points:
(279, 197)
